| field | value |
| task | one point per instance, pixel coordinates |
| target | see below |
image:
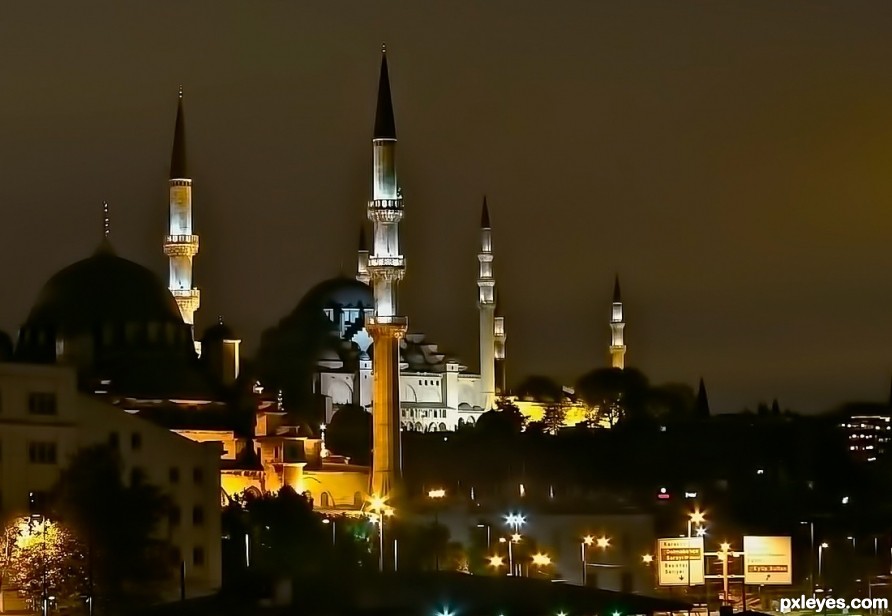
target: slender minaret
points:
(486, 303)
(617, 346)
(386, 268)
(180, 245)
(362, 258)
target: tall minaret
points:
(362, 258)
(486, 303)
(180, 245)
(617, 346)
(500, 354)
(386, 269)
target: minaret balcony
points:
(181, 245)
(397, 261)
(385, 210)
(187, 299)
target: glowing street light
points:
(378, 505)
(647, 559)
(515, 521)
(439, 493)
(701, 531)
(496, 561)
(821, 549)
(603, 542)
(541, 560)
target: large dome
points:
(103, 288)
(340, 292)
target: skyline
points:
(781, 148)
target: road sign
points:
(680, 561)
(767, 560)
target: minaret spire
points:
(106, 226)
(386, 267)
(701, 408)
(617, 324)
(486, 304)
(385, 127)
(181, 244)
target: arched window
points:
(442, 427)
(461, 422)
(357, 499)
(418, 427)
(326, 500)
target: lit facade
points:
(45, 420)
(868, 436)
(617, 325)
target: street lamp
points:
(378, 506)
(436, 496)
(821, 549)
(496, 561)
(647, 559)
(586, 542)
(488, 534)
(695, 517)
(515, 538)
(515, 521)
(724, 555)
(541, 560)
(330, 523)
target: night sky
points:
(732, 161)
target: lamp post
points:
(724, 554)
(586, 541)
(811, 556)
(821, 549)
(488, 535)
(436, 496)
(695, 517)
(378, 506)
(540, 560)
(332, 524)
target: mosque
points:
(132, 341)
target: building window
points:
(136, 441)
(42, 453)
(42, 403)
(197, 516)
(174, 474)
(198, 556)
(174, 516)
(197, 475)
(113, 440)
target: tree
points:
(617, 393)
(118, 526)
(45, 560)
(285, 533)
(505, 420)
(553, 418)
(350, 433)
(539, 388)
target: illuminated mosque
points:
(132, 342)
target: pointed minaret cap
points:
(105, 246)
(385, 128)
(702, 404)
(363, 242)
(617, 296)
(484, 215)
(178, 156)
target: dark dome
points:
(340, 292)
(104, 288)
(218, 332)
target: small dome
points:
(218, 332)
(103, 288)
(340, 292)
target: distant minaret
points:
(362, 264)
(386, 268)
(180, 245)
(617, 346)
(486, 303)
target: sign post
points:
(767, 560)
(680, 561)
